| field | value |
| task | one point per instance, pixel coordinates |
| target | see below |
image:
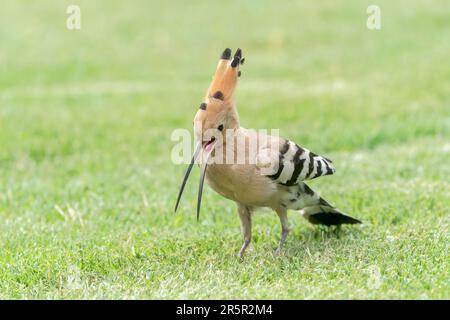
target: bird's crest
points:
(225, 78)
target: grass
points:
(87, 188)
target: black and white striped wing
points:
(295, 164)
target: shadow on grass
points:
(301, 243)
(320, 239)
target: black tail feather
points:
(327, 215)
(331, 219)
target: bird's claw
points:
(278, 251)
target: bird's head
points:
(216, 114)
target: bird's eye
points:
(220, 128)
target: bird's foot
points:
(278, 251)
(243, 248)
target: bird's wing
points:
(290, 163)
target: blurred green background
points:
(87, 188)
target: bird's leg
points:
(282, 214)
(246, 227)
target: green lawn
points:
(87, 188)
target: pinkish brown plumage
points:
(270, 174)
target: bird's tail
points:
(326, 214)
(313, 207)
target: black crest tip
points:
(218, 95)
(235, 62)
(238, 53)
(226, 55)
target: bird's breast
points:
(241, 183)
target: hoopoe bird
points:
(272, 174)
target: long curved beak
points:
(198, 148)
(208, 149)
